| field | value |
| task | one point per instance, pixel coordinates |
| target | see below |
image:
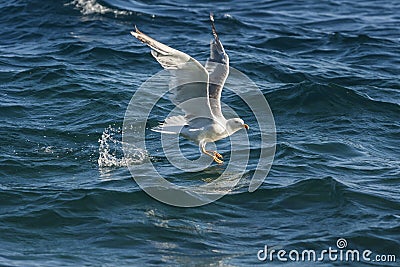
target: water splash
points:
(110, 150)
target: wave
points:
(305, 194)
(302, 194)
(326, 99)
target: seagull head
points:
(235, 124)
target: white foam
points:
(89, 7)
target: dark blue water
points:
(68, 69)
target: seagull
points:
(196, 90)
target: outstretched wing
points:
(217, 66)
(189, 79)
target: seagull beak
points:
(246, 126)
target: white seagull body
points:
(196, 90)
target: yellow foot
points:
(216, 154)
(217, 160)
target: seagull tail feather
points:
(171, 125)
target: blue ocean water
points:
(68, 69)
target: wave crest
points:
(90, 7)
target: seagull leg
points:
(214, 155)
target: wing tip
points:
(136, 33)
(214, 31)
